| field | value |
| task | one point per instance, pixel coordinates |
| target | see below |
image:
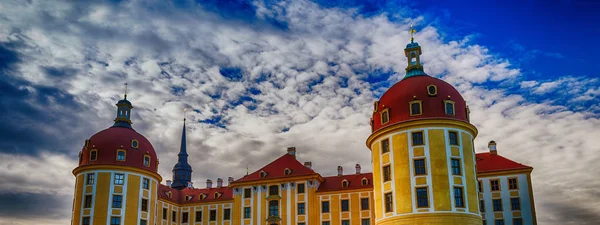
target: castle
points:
(425, 171)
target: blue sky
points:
(264, 75)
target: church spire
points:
(182, 171)
(124, 107)
(413, 53)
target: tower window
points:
(300, 188)
(481, 206)
(385, 116)
(120, 155)
(458, 197)
(93, 155)
(135, 144)
(115, 220)
(385, 146)
(422, 199)
(387, 173)
(449, 107)
(389, 202)
(325, 206)
(247, 212)
(90, 178)
(499, 222)
(147, 160)
(416, 108)
(495, 185)
(455, 166)
(247, 193)
(146, 183)
(345, 222)
(119, 178)
(345, 205)
(87, 203)
(273, 190)
(420, 168)
(198, 216)
(513, 184)
(497, 203)
(517, 221)
(85, 220)
(143, 222)
(364, 204)
(515, 203)
(417, 138)
(301, 208)
(273, 208)
(453, 136)
(365, 222)
(431, 90)
(144, 205)
(226, 214)
(116, 201)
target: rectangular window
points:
(497, 205)
(120, 155)
(301, 208)
(90, 178)
(247, 212)
(453, 136)
(115, 220)
(164, 213)
(455, 166)
(512, 184)
(146, 184)
(365, 222)
(119, 179)
(495, 184)
(499, 222)
(458, 197)
(325, 223)
(144, 205)
(481, 206)
(420, 167)
(325, 206)
(449, 108)
(389, 202)
(116, 201)
(174, 216)
(213, 215)
(415, 108)
(93, 155)
(85, 220)
(417, 138)
(143, 222)
(364, 204)
(515, 203)
(345, 222)
(517, 221)
(301, 223)
(273, 190)
(479, 187)
(184, 217)
(87, 203)
(226, 214)
(345, 205)
(273, 208)
(301, 188)
(387, 173)
(198, 216)
(385, 146)
(385, 116)
(422, 199)
(247, 193)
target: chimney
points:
(340, 171)
(230, 180)
(308, 164)
(219, 182)
(190, 184)
(209, 183)
(492, 147)
(292, 151)
(357, 168)
(168, 183)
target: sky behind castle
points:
(259, 76)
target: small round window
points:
(135, 144)
(432, 90)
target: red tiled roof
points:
(487, 162)
(276, 169)
(178, 196)
(334, 183)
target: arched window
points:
(120, 155)
(416, 108)
(345, 183)
(273, 208)
(147, 160)
(449, 107)
(385, 116)
(364, 182)
(287, 171)
(93, 154)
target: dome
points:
(433, 95)
(108, 142)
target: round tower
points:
(117, 178)
(422, 151)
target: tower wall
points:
(439, 181)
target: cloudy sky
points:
(263, 75)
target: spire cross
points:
(412, 31)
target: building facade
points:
(425, 171)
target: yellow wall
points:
(401, 174)
(102, 192)
(439, 171)
(470, 173)
(133, 200)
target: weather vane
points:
(412, 31)
(125, 90)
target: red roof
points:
(178, 196)
(108, 141)
(487, 162)
(276, 169)
(397, 98)
(355, 182)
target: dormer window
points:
(432, 90)
(287, 171)
(375, 106)
(120, 155)
(345, 183)
(188, 198)
(135, 144)
(416, 108)
(364, 182)
(217, 194)
(385, 116)
(93, 154)
(202, 196)
(147, 160)
(263, 174)
(169, 194)
(449, 107)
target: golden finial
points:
(125, 90)
(412, 31)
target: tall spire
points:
(413, 53)
(182, 171)
(124, 107)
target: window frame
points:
(273, 208)
(212, 215)
(137, 144)
(456, 169)
(247, 192)
(115, 218)
(271, 188)
(385, 111)
(480, 186)
(385, 145)
(362, 203)
(386, 172)
(435, 90)
(416, 169)
(287, 171)
(517, 219)
(345, 183)
(363, 220)
(124, 155)
(426, 197)
(459, 199)
(518, 204)
(300, 187)
(247, 213)
(497, 209)
(90, 178)
(147, 160)
(457, 141)
(492, 185)
(165, 214)
(301, 210)
(119, 179)
(410, 107)
(344, 207)
(446, 102)
(481, 205)
(516, 184)
(364, 181)
(198, 216)
(94, 152)
(174, 216)
(144, 207)
(325, 207)
(85, 220)
(412, 138)
(499, 222)
(388, 202)
(226, 214)
(185, 217)
(88, 201)
(146, 184)
(345, 222)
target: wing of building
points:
(425, 171)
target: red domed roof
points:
(396, 100)
(108, 141)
